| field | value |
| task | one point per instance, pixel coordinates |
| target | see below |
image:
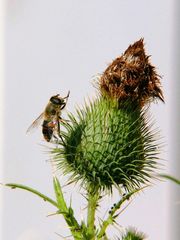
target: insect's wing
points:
(36, 123)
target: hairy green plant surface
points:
(109, 145)
(132, 234)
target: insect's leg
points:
(67, 95)
(58, 130)
(63, 120)
(55, 139)
(63, 106)
(66, 99)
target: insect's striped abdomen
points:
(47, 130)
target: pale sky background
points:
(55, 46)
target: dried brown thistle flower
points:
(132, 77)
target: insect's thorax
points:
(51, 111)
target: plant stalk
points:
(93, 198)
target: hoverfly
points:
(51, 117)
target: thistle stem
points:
(93, 198)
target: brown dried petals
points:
(132, 77)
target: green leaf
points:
(110, 219)
(67, 212)
(59, 195)
(34, 191)
(169, 177)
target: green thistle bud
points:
(110, 142)
(133, 234)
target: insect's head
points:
(57, 100)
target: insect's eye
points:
(56, 100)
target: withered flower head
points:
(132, 77)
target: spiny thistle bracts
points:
(132, 234)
